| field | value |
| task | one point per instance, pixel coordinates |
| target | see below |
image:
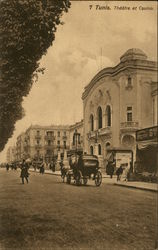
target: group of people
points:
(121, 173)
(11, 166)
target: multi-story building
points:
(20, 146)
(76, 143)
(117, 102)
(44, 142)
(11, 154)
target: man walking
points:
(119, 172)
(24, 172)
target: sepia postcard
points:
(78, 125)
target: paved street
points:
(49, 214)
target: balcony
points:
(38, 146)
(79, 147)
(49, 137)
(49, 146)
(26, 146)
(37, 137)
(104, 131)
(91, 134)
(64, 137)
(129, 126)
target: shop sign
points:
(123, 158)
(147, 134)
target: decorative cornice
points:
(122, 66)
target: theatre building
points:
(117, 102)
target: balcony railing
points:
(104, 131)
(92, 134)
(78, 146)
(38, 146)
(49, 146)
(37, 137)
(129, 126)
(49, 137)
(26, 145)
(99, 132)
(64, 137)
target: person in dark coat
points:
(7, 167)
(111, 169)
(42, 168)
(119, 172)
(24, 172)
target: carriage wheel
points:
(98, 179)
(85, 180)
(78, 178)
(68, 179)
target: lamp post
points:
(76, 139)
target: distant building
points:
(20, 147)
(117, 102)
(78, 144)
(11, 154)
(44, 142)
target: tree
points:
(27, 30)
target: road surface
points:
(49, 214)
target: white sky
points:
(75, 58)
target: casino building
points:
(117, 102)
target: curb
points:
(141, 188)
(52, 173)
(44, 172)
(116, 184)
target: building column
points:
(95, 148)
(58, 161)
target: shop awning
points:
(145, 144)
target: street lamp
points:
(76, 139)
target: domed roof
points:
(133, 54)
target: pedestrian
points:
(53, 169)
(7, 167)
(42, 168)
(119, 172)
(125, 175)
(24, 172)
(112, 169)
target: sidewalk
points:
(138, 185)
(58, 173)
(131, 184)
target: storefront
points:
(147, 149)
(121, 157)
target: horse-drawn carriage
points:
(84, 168)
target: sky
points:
(89, 40)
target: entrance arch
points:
(128, 140)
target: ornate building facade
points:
(76, 128)
(11, 154)
(117, 102)
(44, 142)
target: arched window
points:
(107, 145)
(99, 114)
(91, 150)
(108, 115)
(91, 122)
(99, 149)
(128, 140)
